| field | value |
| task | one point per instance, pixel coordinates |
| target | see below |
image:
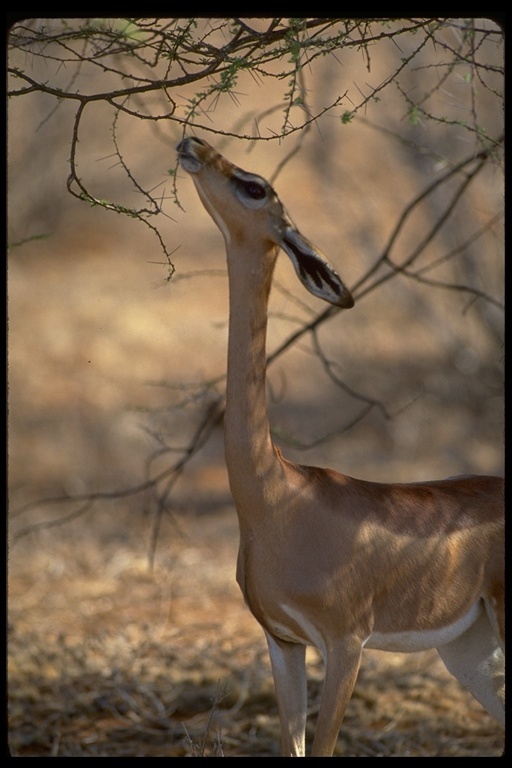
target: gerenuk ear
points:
(314, 271)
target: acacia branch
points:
(385, 258)
(164, 56)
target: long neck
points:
(250, 456)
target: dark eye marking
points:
(252, 188)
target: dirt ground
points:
(108, 656)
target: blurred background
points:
(112, 366)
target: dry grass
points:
(107, 659)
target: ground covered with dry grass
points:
(107, 658)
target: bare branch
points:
(178, 72)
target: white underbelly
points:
(422, 640)
(398, 642)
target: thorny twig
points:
(198, 60)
